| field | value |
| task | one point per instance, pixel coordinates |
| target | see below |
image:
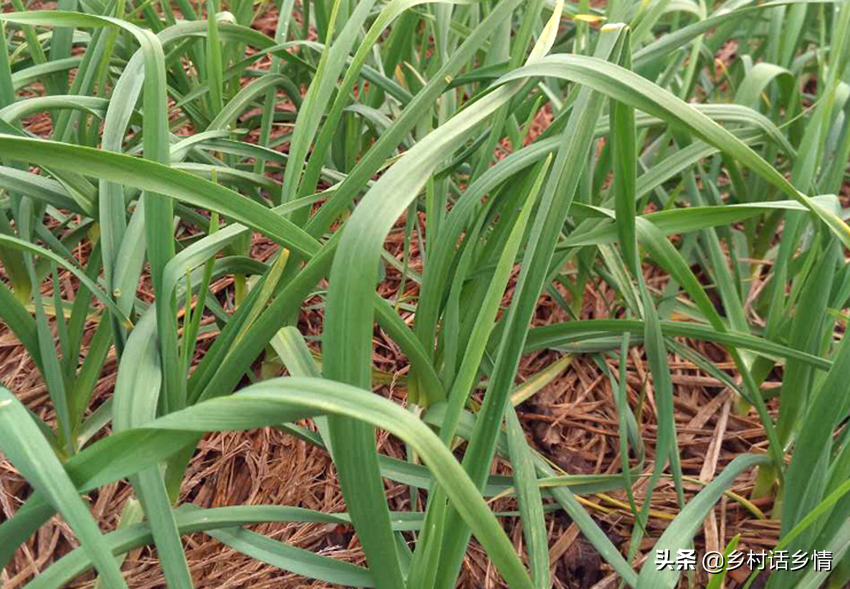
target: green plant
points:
(405, 104)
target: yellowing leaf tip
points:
(589, 18)
(547, 36)
(612, 27)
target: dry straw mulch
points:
(572, 420)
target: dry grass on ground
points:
(572, 420)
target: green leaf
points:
(29, 452)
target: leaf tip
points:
(613, 27)
(588, 18)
